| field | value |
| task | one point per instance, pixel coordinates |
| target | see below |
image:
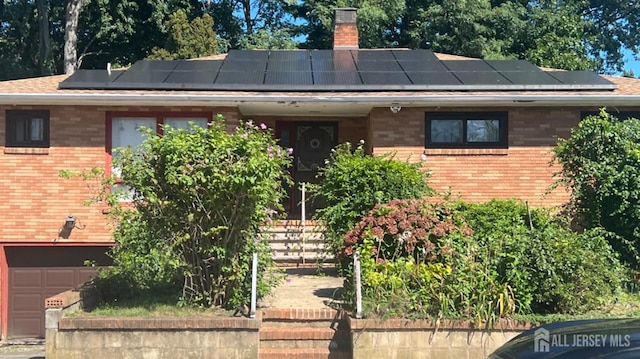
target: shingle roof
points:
(45, 89)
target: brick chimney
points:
(345, 34)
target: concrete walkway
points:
(306, 288)
(22, 351)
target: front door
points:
(312, 143)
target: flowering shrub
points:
(476, 261)
(410, 228)
(199, 199)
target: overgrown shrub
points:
(549, 268)
(418, 260)
(601, 166)
(353, 182)
(199, 197)
(477, 261)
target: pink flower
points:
(245, 135)
(263, 126)
(249, 123)
(290, 151)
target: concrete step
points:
(303, 353)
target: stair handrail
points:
(303, 221)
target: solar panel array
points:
(340, 70)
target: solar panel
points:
(191, 77)
(289, 65)
(247, 55)
(336, 78)
(288, 55)
(530, 78)
(375, 66)
(345, 64)
(427, 66)
(150, 77)
(154, 65)
(93, 76)
(433, 78)
(240, 77)
(373, 55)
(578, 77)
(481, 78)
(288, 78)
(384, 78)
(467, 65)
(512, 65)
(328, 70)
(324, 54)
(414, 55)
(199, 65)
(244, 65)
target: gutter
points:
(317, 99)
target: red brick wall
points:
(35, 201)
(521, 171)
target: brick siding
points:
(522, 171)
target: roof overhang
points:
(320, 103)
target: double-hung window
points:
(126, 132)
(466, 130)
(27, 128)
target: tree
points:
(575, 34)
(186, 39)
(601, 166)
(72, 15)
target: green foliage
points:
(199, 198)
(478, 261)
(550, 269)
(187, 39)
(353, 182)
(601, 166)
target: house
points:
(483, 128)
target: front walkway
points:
(307, 288)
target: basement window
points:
(466, 130)
(27, 128)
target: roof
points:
(335, 70)
(45, 91)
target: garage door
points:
(36, 273)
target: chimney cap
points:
(345, 15)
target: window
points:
(466, 130)
(27, 128)
(125, 132)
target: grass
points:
(148, 306)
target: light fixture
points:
(395, 107)
(70, 222)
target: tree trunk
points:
(44, 45)
(72, 15)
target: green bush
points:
(477, 261)
(419, 260)
(601, 165)
(353, 182)
(199, 199)
(550, 269)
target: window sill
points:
(26, 151)
(466, 151)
